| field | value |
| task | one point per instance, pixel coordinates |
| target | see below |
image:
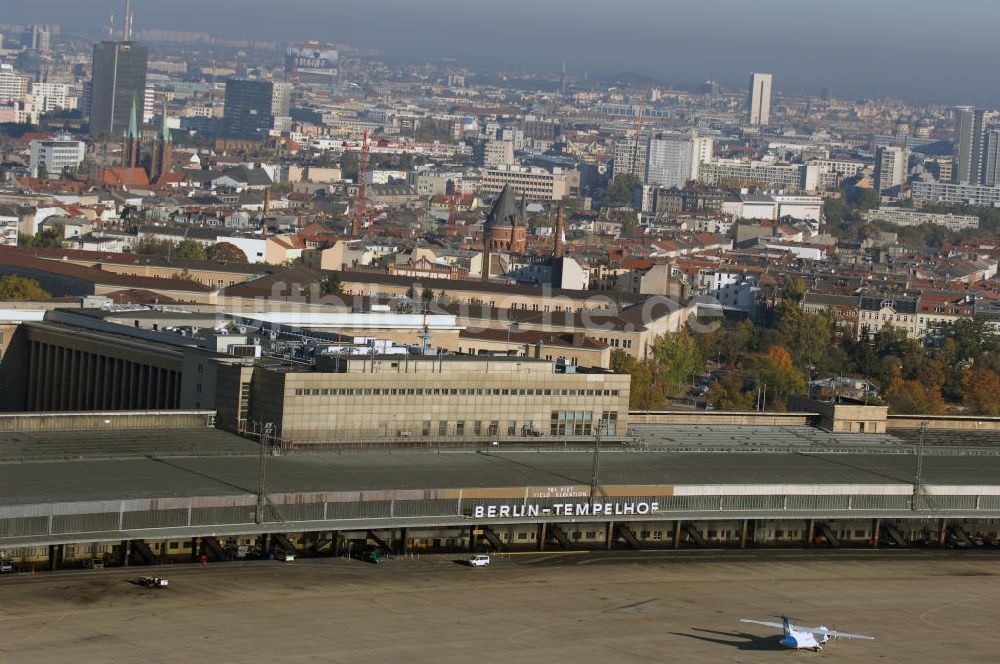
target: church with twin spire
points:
(154, 159)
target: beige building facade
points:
(350, 399)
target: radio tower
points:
(361, 209)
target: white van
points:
(482, 560)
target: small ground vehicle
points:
(6, 567)
(372, 555)
(95, 563)
(284, 556)
(152, 581)
(481, 560)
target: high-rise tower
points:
(119, 78)
(759, 99)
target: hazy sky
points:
(920, 49)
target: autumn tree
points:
(776, 371)
(981, 393)
(911, 397)
(13, 287)
(225, 252)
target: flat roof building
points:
(351, 398)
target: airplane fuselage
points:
(802, 640)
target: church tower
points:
(130, 144)
(159, 162)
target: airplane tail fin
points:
(785, 620)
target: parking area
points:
(619, 607)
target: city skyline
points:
(719, 40)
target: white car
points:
(479, 561)
(284, 556)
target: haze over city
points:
(524, 331)
(856, 47)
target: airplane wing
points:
(832, 633)
(766, 624)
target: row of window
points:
(563, 423)
(580, 423)
(444, 391)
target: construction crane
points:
(452, 210)
(361, 209)
(638, 133)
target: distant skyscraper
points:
(759, 99)
(970, 138)
(249, 110)
(890, 167)
(119, 80)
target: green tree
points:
(43, 171)
(733, 344)
(835, 210)
(619, 191)
(728, 394)
(150, 246)
(331, 284)
(188, 248)
(49, 238)
(677, 358)
(225, 252)
(13, 287)
(864, 198)
(645, 393)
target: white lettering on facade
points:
(566, 509)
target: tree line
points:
(765, 364)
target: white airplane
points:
(796, 636)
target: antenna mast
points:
(127, 23)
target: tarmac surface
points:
(113, 479)
(921, 606)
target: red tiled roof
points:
(125, 177)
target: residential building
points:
(955, 194)
(890, 167)
(118, 82)
(970, 127)
(13, 86)
(673, 160)
(497, 153)
(281, 98)
(759, 99)
(50, 97)
(10, 219)
(631, 157)
(910, 217)
(760, 174)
